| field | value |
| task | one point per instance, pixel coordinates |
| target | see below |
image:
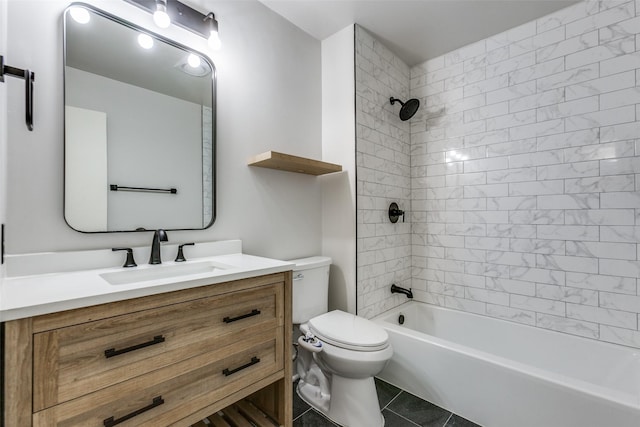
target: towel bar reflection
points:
(115, 187)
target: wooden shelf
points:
(289, 163)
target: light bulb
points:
(193, 60)
(145, 41)
(160, 16)
(80, 14)
(214, 40)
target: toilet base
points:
(352, 402)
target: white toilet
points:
(338, 354)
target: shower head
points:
(408, 109)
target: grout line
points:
(405, 418)
(445, 423)
(308, 409)
(392, 399)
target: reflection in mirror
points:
(139, 128)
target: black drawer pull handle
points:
(110, 422)
(113, 352)
(228, 372)
(254, 312)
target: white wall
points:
(338, 146)
(268, 97)
(525, 164)
(3, 124)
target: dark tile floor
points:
(400, 409)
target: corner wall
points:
(383, 176)
(525, 174)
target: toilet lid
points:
(349, 331)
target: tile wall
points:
(525, 175)
(382, 176)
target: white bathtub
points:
(503, 374)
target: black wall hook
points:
(28, 77)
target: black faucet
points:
(159, 236)
(397, 289)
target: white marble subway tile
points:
(466, 229)
(614, 284)
(620, 98)
(539, 305)
(568, 15)
(465, 154)
(600, 151)
(569, 108)
(567, 263)
(568, 326)
(511, 314)
(535, 216)
(568, 139)
(460, 254)
(625, 251)
(538, 129)
(569, 170)
(545, 38)
(497, 55)
(621, 319)
(517, 259)
(464, 305)
(569, 201)
(610, 16)
(511, 203)
(485, 112)
(474, 63)
(599, 184)
(567, 294)
(620, 166)
(510, 36)
(488, 164)
(538, 246)
(620, 132)
(619, 336)
(619, 267)
(619, 64)
(462, 279)
(445, 241)
(511, 148)
(486, 243)
(531, 102)
(566, 47)
(466, 129)
(510, 120)
(606, 50)
(601, 85)
(486, 190)
(569, 232)
(486, 217)
(616, 200)
(514, 63)
(576, 75)
(620, 302)
(487, 85)
(619, 30)
(499, 228)
(536, 188)
(601, 118)
(465, 53)
(599, 217)
(488, 296)
(466, 179)
(443, 217)
(541, 158)
(536, 71)
(445, 169)
(620, 233)
(479, 204)
(511, 286)
(444, 73)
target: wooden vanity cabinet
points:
(163, 360)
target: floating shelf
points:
(289, 163)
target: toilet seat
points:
(349, 331)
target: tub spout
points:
(397, 289)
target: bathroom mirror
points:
(139, 128)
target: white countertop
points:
(36, 294)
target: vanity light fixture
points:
(214, 38)
(160, 16)
(80, 14)
(183, 16)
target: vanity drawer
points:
(170, 394)
(73, 361)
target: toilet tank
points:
(310, 287)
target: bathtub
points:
(504, 374)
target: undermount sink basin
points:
(153, 272)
